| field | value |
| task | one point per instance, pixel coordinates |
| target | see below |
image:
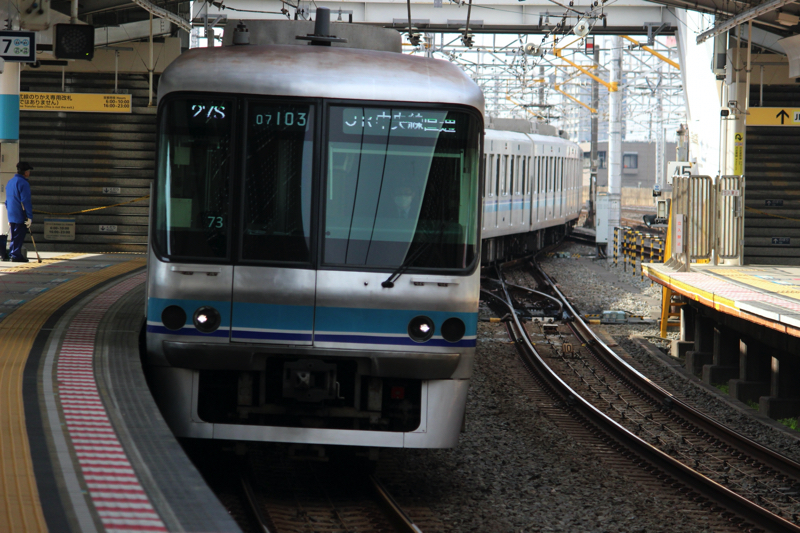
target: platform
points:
(83, 446)
(766, 295)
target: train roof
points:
(320, 72)
(502, 135)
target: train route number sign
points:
(18, 46)
(75, 102)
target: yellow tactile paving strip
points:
(20, 507)
(741, 276)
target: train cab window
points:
(401, 188)
(277, 181)
(192, 218)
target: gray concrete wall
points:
(644, 175)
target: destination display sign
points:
(18, 46)
(404, 122)
(75, 102)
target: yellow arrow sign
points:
(773, 116)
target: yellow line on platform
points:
(789, 291)
(20, 507)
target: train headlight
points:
(207, 319)
(453, 329)
(420, 329)
(173, 317)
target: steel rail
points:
(712, 490)
(658, 394)
(401, 521)
(252, 501)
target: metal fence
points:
(706, 221)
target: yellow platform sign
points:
(75, 102)
(773, 116)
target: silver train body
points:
(531, 192)
(313, 269)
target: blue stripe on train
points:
(272, 335)
(386, 321)
(293, 323)
(273, 316)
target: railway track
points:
(289, 496)
(710, 472)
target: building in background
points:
(638, 163)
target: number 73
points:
(214, 222)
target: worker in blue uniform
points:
(20, 209)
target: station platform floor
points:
(83, 447)
(766, 295)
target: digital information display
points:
(279, 117)
(18, 46)
(208, 111)
(406, 123)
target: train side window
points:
(548, 176)
(530, 174)
(557, 177)
(487, 176)
(497, 177)
(511, 176)
(524, 178)
(505, 174)
(278, 182)
(192, 207)
(490, 174)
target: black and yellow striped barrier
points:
(637, 247)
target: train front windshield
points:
(397, 186)
(401, 188)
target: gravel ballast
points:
(514, 470)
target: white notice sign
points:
(59, 229)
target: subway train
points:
(531, 191)
(314, 252)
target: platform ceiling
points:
(487, 16)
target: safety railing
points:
(730, 220)
(706, 222)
